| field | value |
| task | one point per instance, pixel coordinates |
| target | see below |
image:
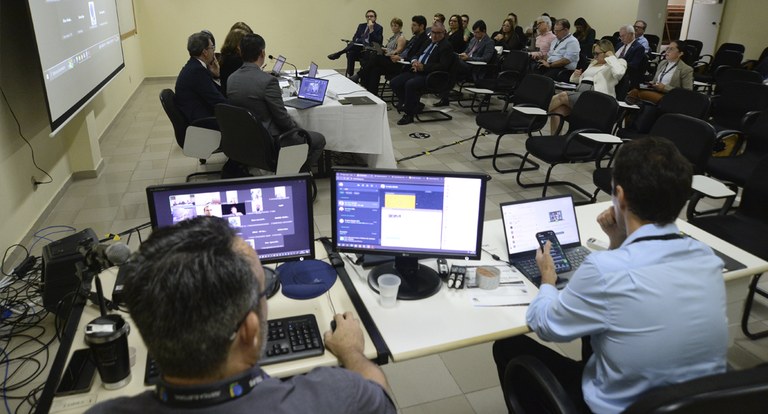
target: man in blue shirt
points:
(564, 53)
(653, 306)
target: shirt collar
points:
(652, 229)
(202, 63)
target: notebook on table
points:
(311, 93)
(523, 219)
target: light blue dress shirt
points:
(644, 43)
(568, 48)
(655, 311)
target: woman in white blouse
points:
(603, 73)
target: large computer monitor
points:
(411, 215)
(273, 214)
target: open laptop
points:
(523, 219)
(279, 62)
(311, 93)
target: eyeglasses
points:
(370, 16)
(639, 27)
(270, 285)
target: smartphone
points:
(79, 375)
(558, 256)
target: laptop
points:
(277, 69)
(311, 93)
(312, 72)
(523, 219)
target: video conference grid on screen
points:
(272, 218)
(524, 220)
(407, 213)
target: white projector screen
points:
(78, 42)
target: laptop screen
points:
(312, 70)
(278, 65)
(523, 219)
(313, 88)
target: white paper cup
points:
(488, 277)
(388, 286)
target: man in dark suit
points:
(366, 34)
(387, 65)
(196, 91)
(480, 49)
(259, 92)
(633, 52)
(437, 55)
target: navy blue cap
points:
(306, 279)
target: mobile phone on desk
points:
(558, 256)
(79, 375)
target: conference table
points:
(323, 307)
(362, 129)
(449, 320)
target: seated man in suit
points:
(407, 86)
(208, 334)
(259, 92)
(367, 33)
(652, 306)
(480, 49)
(634, 53)
(387, 65)
(196, 91)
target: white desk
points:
(447, 320)
(279, 307)
(361, 129)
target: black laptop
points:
(523, 219)
(311, 93)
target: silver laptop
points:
(311, 93)
(523, 219)
(312, 70)
(279, 62)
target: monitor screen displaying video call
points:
(406, 212)
(272, 214)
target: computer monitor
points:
(411, 215)
(272, 214)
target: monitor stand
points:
(416, 281)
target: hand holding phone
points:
(556, 251)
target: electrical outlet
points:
(35, 183)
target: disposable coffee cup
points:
(107, 336)
(388, 286)
(488, 277)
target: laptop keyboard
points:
(529, 268)
(288, 339)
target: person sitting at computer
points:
(259, 92)
(407, 86)
(366, 34)
(207, 333)
(652, 307)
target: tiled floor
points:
(139, 150)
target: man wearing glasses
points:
(436, 56)
(196, 292)
(564, 53)
(196, 91)
(366, 34)
(639, 27)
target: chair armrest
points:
(719, 145)
(602, 138)
(528, 374)
(202, 122)
(298, 135)
(711, 187)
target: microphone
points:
(295, 70)
(102, 256)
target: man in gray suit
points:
(259, 92)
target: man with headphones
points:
(196, 292)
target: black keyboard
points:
(288, 339)
(529, 268)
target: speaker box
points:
(59, 259)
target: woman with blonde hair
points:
(602, 75)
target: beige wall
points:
(61, 155)
(744, 22)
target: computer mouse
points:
(333, 325)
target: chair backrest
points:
(693, 137)
(684, 101)
(515, 60)
(690, 55)
(738, 47)
(244, 139)
(743, 392)
(756, 130)
(698, 45)
(653, 41)
(178, 121)
(735, 100)
(732, 74)
(529, 387)
(535, 90)
(623, 87)
(726, 58)
(440, 81)
(594, 110)
(754, 199)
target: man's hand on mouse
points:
(347, 338)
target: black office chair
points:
(653, 41)
(439, 82)
(744, 392)
(698, 45)
(534, 91)
(728, 75)
(751, 64)
(746, 229)
(593, 112)
(676, 101)
(692, 137)
(194, 138)
(707, 71)
(751, 147)
(512, 68)
(734, 101)
(246, 140)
